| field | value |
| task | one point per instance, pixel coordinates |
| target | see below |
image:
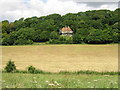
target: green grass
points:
(89, 72)
(37, 71)
(20, 80)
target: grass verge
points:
(22, 80)
(37, 71)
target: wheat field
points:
(55, 58)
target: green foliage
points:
(26, 33)
(19, 80)
(62, 40)
(54, 35)
(66, 39)
(53, 41)
(23, 42)
(33, 70)
(10, 67)
(37, 37)
(77, 38)
(95, 36)
(6, 40)
(92, 27)
(44, 36)
(69, 40)
(5, 26)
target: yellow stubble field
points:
(55, 58)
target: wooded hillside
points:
(92, 27)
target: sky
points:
(15, 9)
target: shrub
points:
(62, 40)
(64, 72)
(20, 71)
(54, 41)
(39, 71)
(10, 67)
(31, 69)
(23, 42)
(69, 40)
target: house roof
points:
(66, 29)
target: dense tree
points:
(37, 35)
(5, 26)
(95, 26)
(54, 35)
(26, 33)
(95, 36)
(44, 36)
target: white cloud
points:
(15, 9)
(92, 0)
(110, 7)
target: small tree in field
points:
(10, 67)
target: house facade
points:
(66, 31)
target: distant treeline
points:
(91, 27)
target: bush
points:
(10, 67)
(20, 71)
(39, 71)
(23, 42)
(69, 40)
(54, 41)
(62, 40)
(65, 72)
(32, 69)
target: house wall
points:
(66, 33)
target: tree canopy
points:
(91, 27)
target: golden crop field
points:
(56, 58)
